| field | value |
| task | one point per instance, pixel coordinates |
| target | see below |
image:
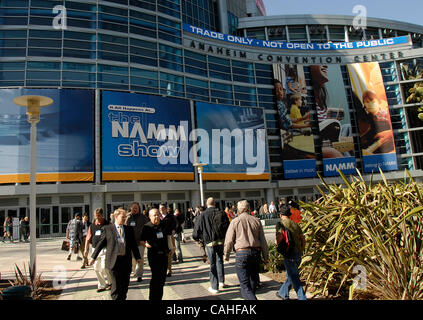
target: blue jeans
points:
(292, 277)
(217, 273)
(247, 269)
(178, 251)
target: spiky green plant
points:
(377, 226)
(32, 280)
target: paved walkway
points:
(189, 280)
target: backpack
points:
(220, 225)
(285, 240)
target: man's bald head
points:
(210, 202)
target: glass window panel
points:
(78, 66)
(112, 56)
(7, 34)
(112, 69)
(45, 34)
(149, 5)
(171, 65)
(13, 43)
(74, 76)
(112, 39)
(79, 35)
(144, 73)
(43, 65)
(143, 44)
(13, 3)
(13, 52)
(12, 75)
(79, 54)
(113, 78)
(143, 60)
(42, 43)
(12, 66)
(170, 38)
(47, 75)
(171, 77)
(44, 52)
(143, 32)
(144, 52)
(144, 82)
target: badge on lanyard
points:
(98, 233)
(159, 235)
(133, 224)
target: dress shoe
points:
(101, 289)
(169, 274)
(139, 279)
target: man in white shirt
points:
(272, 210)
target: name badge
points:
(159, 235)
(133, 224)
(98, 233)
(121, 240)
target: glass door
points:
(65, 217)
(2, 218)
(45, 222)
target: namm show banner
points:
(65, 138)
(145, 137)
(232, 142)
(373, 118)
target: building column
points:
(270, 196)
(222, 14)
(98, 201)
(194, 198)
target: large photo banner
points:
(374, 121)
(145, 137)
(298, 152)
(232, 142)
(65, 139)
(334, 120)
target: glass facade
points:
(136, 45)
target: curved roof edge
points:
(303, 19)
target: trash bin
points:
(17, 293)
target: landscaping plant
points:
(373, 227)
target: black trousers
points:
(120, 275)
(158, 266)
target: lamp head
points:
(33, 105)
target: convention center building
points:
(144, 89)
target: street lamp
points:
(199, 167)
(33, 105)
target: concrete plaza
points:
(189, 280)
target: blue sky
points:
(402, 10)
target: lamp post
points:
(199, 167)
(33, 105)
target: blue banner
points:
(387, 162)
(346, 165)
(294, 169)
(232, 142)
(65, 139)
(293, 45)
(145, 137)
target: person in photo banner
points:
(378, 136)
(337, 141)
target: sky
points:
(410, 11)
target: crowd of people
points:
(118, 245)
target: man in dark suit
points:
(120, 244)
